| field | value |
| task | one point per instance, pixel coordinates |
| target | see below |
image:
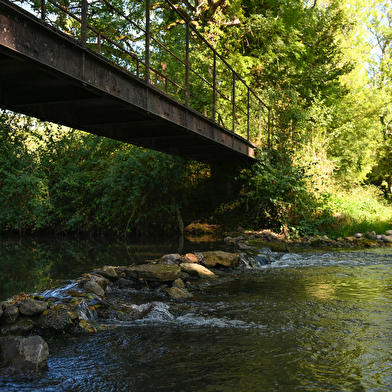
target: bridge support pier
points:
(225, 185)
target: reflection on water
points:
(35, 264)
(312, 321)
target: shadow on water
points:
(34, 264)
(310, 321)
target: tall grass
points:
(359, 209)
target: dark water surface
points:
(311, 321)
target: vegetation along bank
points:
(324, 163)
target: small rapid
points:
(266, 258)
(312, 320)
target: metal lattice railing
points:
(181, 62)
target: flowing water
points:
(312, 321)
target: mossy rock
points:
(276, 246)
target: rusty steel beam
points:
(51, 76)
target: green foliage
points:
(277, 196)
(311, 62)
(299, 54)
(142, 186)
(69, 181)
(23, 186)
(359, 209)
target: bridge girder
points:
(48, 75)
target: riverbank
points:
(290, 320)
(282, 242)
(91, 302)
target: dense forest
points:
(324, 69)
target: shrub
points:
(276, 196)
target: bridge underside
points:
(48, 75)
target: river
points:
(313, 320)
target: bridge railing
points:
(178, 60)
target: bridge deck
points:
(48, 75)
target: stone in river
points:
(178, 293)
(197, 269)
(226, 259)
(109, 272)
(23, 353)
(94, 287)
(154, 272)
(30, 307)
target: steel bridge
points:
(61, 61)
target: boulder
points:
(103, 282)
(386, 238)
(184, 276)
(226, 259)
(57, 320)
(94, 287)
(31, 307)
(24, 353)
(201, 227)
(23, 326)
(171, 259)
(154, 272)
(178, 293)
(123, 282)
(190, 258)
(388, 233)
(10, 314)
(179, 283)
(109, 272)
(197, 269)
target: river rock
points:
(388, 233)
(226, 259)
(123, 282)
(178, 293)
(30, 307)
(94, 287)
(190, 258)
(171, 259)
(24, 353)
(24, 326)
(10, 314)
(154, 272)
(243, 246)
(197, 269)
(109, 272)
(179, 283)
(58, 320)
(386, 238)
(103, 282)
(184, 276)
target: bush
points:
(63, 180)
(276, 196)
